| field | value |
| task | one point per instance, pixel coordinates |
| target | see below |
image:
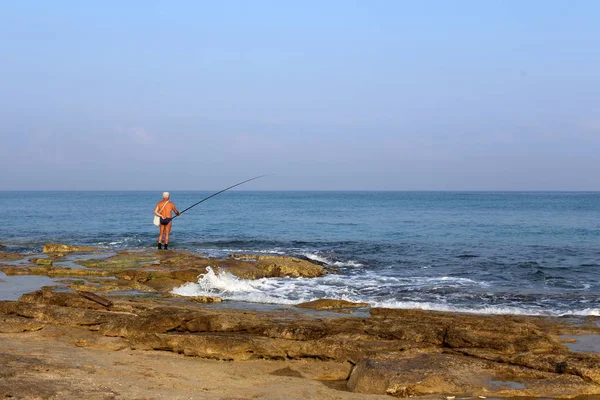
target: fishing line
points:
(219, 192)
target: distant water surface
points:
(491, 252)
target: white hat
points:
(166, 195)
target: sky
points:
(324, 95)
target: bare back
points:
(168, 210)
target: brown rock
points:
(450, 374)
(279, 266)
(65, 248)
(7, 256)
(204, 299)
(15, 324)
(133, 275)
(164, 285)
(329, 304)
(404, 377)
(219, 347)
(188, 275)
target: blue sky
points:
(326, 95)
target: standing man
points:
(165, 209)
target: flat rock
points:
(280, 266)
(8, 256)
(65, 248)
(329, 304)
(15, 324)
(430, 374)
(164, 285)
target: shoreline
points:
(330, 349)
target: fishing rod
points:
(219, 192)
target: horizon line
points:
(315, 190)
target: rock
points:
(329, 304)
(7, 256)
(228, 347)
(43, 261)
(450, 374)
(463, 330)
(15, 324)
(586, 366)
(133, 275)
(189, 275)
(279, 266)
(396, 352)
(287, 371)
(164, 285)
(204, 299)
(51, 271)
(423, 375)
(65, 248)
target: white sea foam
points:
(230, 287)
(365, 288)
(246, 251)
(349, 263)
(327, 261)
(495, 310)
(317, 257)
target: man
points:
(165, 209)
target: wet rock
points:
(203, 299)
(7, 256)
(59, 248)
(164, 285)
(329, 304)
(133, 275)
(189, 275)
(123, 260)
(279, 266)
(43, 261)
(51, 271)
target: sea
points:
(527, 253)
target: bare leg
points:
(161, 232)
(167, 231)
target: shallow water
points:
(12, 287)
(492, 252)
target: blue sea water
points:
(532, 253)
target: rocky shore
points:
(110, 328)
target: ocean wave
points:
(248, 251)
(490, 310)
(364, 289)
(327, 261)
(230, 287)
